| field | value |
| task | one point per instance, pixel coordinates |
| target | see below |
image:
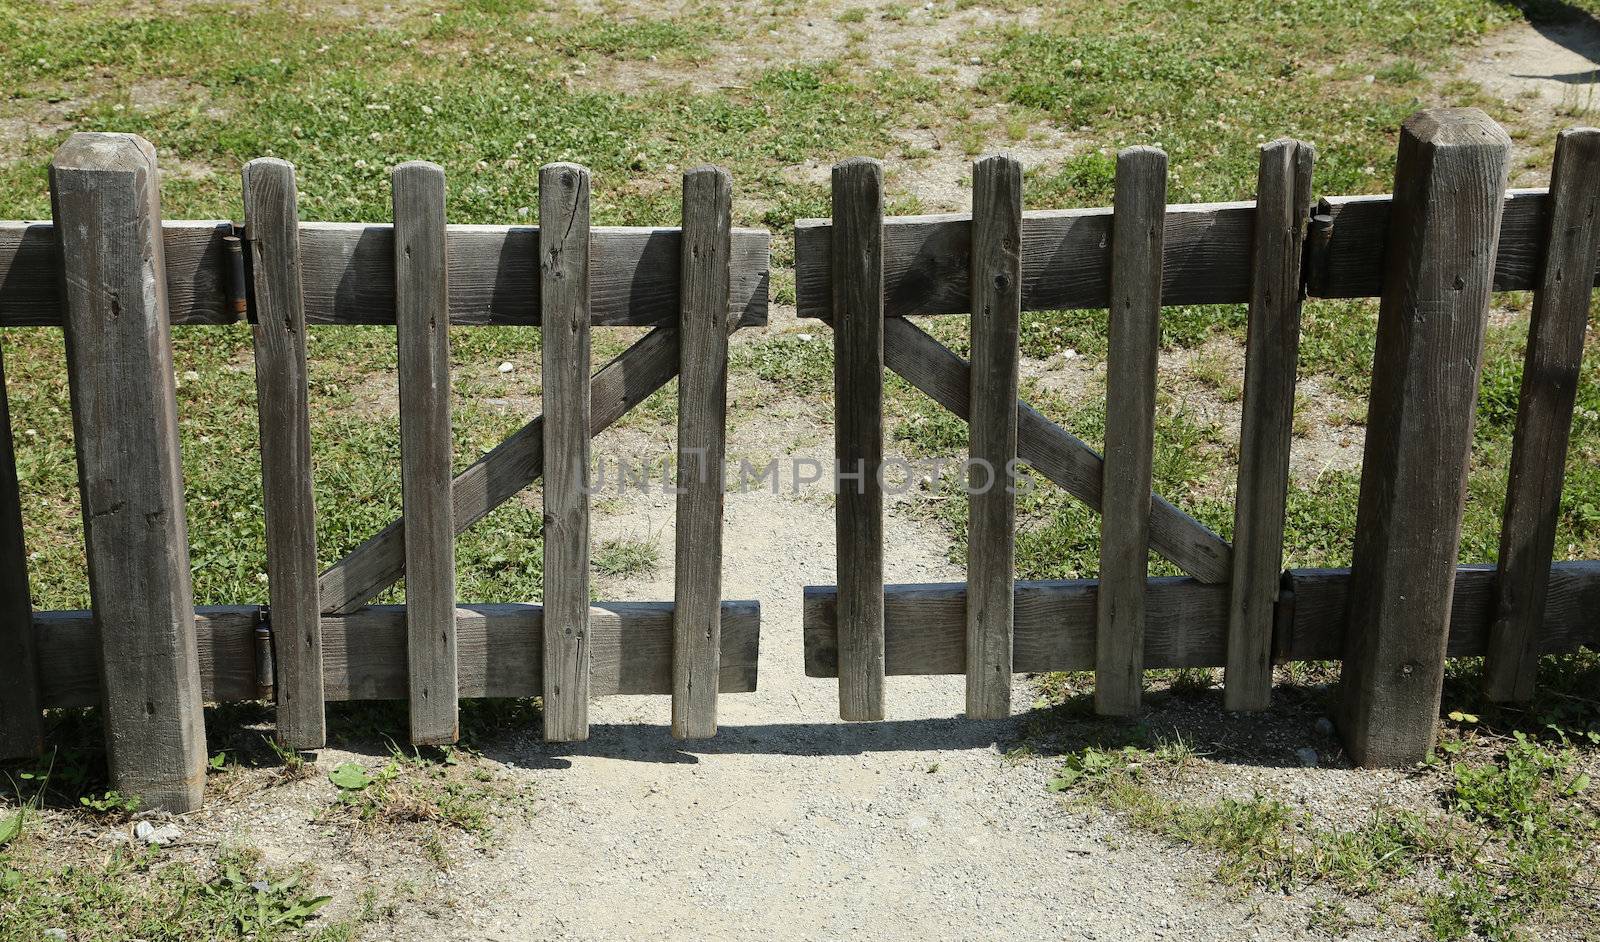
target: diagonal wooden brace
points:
(1051, 450)
(493, 479)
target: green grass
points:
(1500, 847)
(144, 893)
(492, 91)
(624, 558)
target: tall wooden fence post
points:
(991, 526)
(858, 432)
(1272, 347)
(1444, 227)
(564, 311)
(107, 208)
(1544, 416)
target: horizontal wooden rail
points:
(364, 653)
(1348, 263)
(1186, 621)
(347, 274)
(1066, 256)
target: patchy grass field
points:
(776, 91)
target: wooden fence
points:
(115, 276)
(1433, 252)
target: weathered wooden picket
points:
(116, 277)
(1433, 252)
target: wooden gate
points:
(116, 277)
(1433, 252)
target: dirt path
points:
(1547, 76)
(792, 825)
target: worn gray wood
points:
(1351, 263)
(1061, 457)
(506, 469)
(105, 197)
(564, 285)
(1186, 621)
(500, 648)
(857, 316)
(347, 274)
(1321, 601)
(283, 414)
(1066, 256)
(992, 449)
(702, 418)
(1134, 339)
(1272, 349)
(422, 333)
(21, 723)
(1449, 181)
(1544, 415)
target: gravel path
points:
(792, 825)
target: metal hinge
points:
(238, 274)
(266, 671)
(1314, 270)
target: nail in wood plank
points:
(1544, 415)
(564, 288)
(283, 409)
(858, 432)
(1272, 349)
(702, 418)
(105, 195)
(1134, 338)
(422, 331)
(991, 526)
(21, 723)
(1450, 182)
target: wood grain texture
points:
(1272, 350)
(564, 362)
(1351, 262)
(105, 197)
(1066, 256)
(1449, 181)
(1133, 340)
(21, 723)
(284, 417)
(857, 316)
(505, 470)
(1319, 627)
(1186, 621)
(501, 649)
(702, 419)
(1063, 458)
(992, 449)
(422, 334)
(1550, 371)
(348, 274)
